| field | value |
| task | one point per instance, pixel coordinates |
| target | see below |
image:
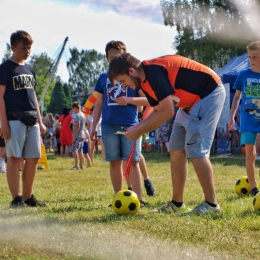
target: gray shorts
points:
(25, 141)
(194, 130)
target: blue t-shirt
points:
(248, 82)
(112, 113)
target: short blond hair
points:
(254, 46)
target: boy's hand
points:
(5, 131)
(122, 101)
(132, 133)
(231, 125)
(94, 135)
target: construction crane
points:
(52, 72)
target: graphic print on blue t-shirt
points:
(248, 82)
(252, 97)
(114, 92)
(112, 113)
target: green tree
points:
(85, 67)
(58, 99)
(67, 91)
(42, 65)
(212, 31)
(7, 53)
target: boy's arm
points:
(77, 125)
(5, 130)
(234, 106)
(97, 115)
(42, 126)
(87, 137)
(137, 101)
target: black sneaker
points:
(254, 191)
(148, 184)
(130, 188)
(33, 202)
(142, 203)
(17, 202)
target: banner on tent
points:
(222, 132)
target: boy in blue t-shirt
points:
(247, 86)
(119, 109)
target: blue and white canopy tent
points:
(230, 71)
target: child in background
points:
(86, 147)
(78, 136)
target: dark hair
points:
(76, 105)
(65, 111)
(115, 45)
(121, 64)
(21, 36)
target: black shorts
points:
(2, 142)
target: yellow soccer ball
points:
(242, 186)
(125, 202)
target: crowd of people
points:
(187, 99)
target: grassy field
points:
(78, 224)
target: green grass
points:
(78, 224)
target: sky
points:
(89, 24)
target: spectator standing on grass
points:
(200, 95)
(79, 135)
(19, 112)
(65, 121)
(46, 137)
(86, 147)
(163, 136)
(56, 135)
(94, 143)
(247, 86)
(51, 122)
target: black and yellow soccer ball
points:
(242, 186)
(125, 202)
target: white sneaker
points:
(169, 207)
(2, 168)
(203, 208)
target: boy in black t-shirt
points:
(21, 120)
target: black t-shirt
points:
(20, 83)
